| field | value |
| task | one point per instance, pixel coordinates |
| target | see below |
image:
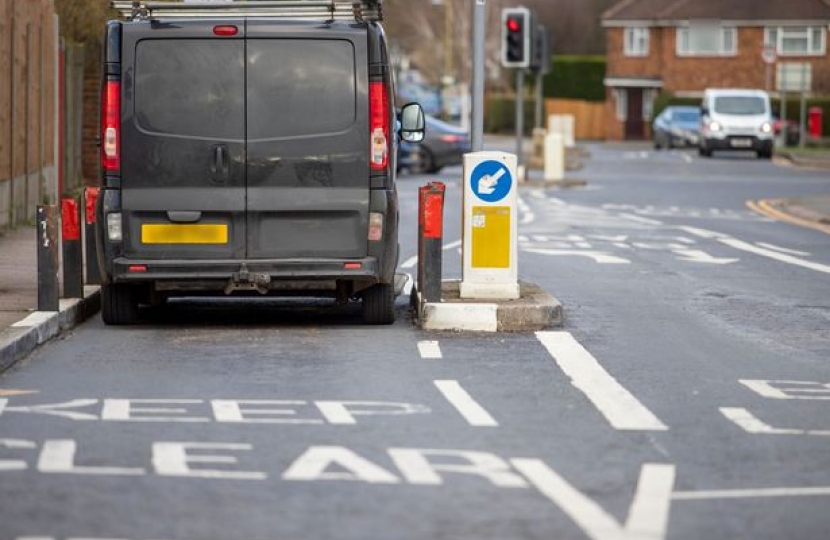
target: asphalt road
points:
(687, 396)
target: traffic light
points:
(540, 55)
(516, 32)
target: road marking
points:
(475, 414)
(766, 208)
(640, 219)
(807, 390)
(410, 262)
(750, 493)
(430, 350)
(686, 157)
(58, 456)
(527, 214)
(648, 515)
(408, 286)
(784, 250)
(622, 410)
(754, 425)
(698, 256)
(746, 246)
(598, 256)
(452, 245)
(13, 392)
(702, 233)
(789, 259)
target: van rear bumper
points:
(126, 270)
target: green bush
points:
(500, 115)
(576, 77)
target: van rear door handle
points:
(220, 167)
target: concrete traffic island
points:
(534, 310)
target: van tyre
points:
(764, 154)
(379, 304)
(119, 304)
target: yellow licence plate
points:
(200, 233)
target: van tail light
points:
(111, 127)
(375, 226)
(379, 126)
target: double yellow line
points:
(768, 207)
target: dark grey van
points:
(249, 149)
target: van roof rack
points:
(329, 10)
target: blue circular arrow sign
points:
(491, 181)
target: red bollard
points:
(430, 240)
(93, 271)
(73, 274)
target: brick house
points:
(686, 46)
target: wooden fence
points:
(589, 116)
(31, 101)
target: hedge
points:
(576, 77)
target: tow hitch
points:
(248, 281)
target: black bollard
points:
(48, 291)
(73, 265)
(93, 271)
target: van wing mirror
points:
(413, 124)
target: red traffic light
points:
(513, 24)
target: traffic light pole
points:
(477, 120)
(520, 114)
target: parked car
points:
(677, 126)
(443, 145)
(736, 119)
(249, 155)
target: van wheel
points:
(119, 304)
(764, 154)
(379, 304)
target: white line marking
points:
(598, 256)
(464, 403)
(639, 219)
(750, 493)
(451, 245)
(687, 158)
(784, 250)
(789, 259)
(407, 288)
(702, 233)
(430, 350)
(527, 214)
(648, 515)
(410, 262)
(622, 410)
(699, 256)
(752, 424)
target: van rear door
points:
(183, 140)
(308, 140)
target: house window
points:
(797, 40)
(707, 40)
(621, 96)
(636, 42)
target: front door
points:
(634, 125)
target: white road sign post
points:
(490, 269)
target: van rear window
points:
(191, 87)
(300, 87)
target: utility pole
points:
(479, 22)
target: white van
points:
(736, 119)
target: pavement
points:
(23, 328)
